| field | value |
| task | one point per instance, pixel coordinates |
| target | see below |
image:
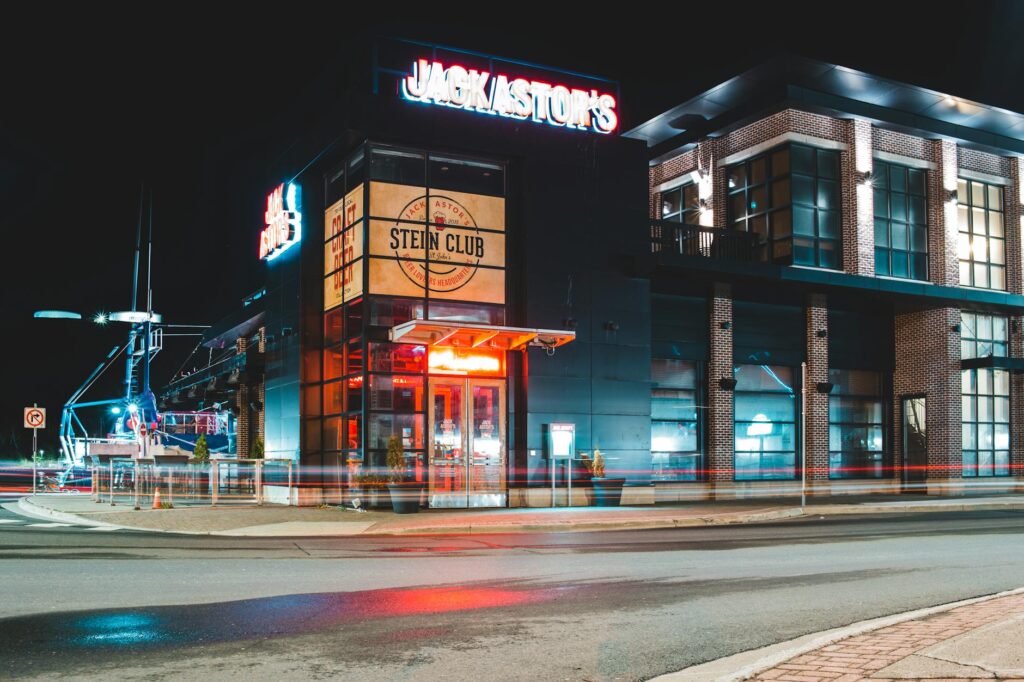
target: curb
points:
(33, 510)
(747, 664)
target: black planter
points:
(607, 491)
(405, 498)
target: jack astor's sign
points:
(283, 222)
(456, 86)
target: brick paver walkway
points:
(860, 657)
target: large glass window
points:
(790, 198)
(681, 205)
(901, 221)
(765, 423)
(675, 422)
(982, 244)
(982, 336)
(855, 420)
(986, 422)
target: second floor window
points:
(901, 221)
(982, 244)
(790, 198)
(681, 205)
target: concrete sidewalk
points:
(974, 639)
(281, 521)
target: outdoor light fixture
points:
(115, 410)
(100, 318)
(726, 325)
(727, 383)
(825, 386)
(703, 203)
(865, 177)
(822, 333)
(135, 316)
(951, 196)
(56, 315)
(955, 328)
(133, 408)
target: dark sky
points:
(194, 102)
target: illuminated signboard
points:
(462, 362)
(284, 222)
(456, 86)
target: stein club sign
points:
(456, 86)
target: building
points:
(467, 259)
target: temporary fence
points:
(220, 481)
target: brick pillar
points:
(817, 403)
(720, 440)
(858, 201)
(928, 363)
(1012, 227)
(718, 215)
(243, 422)
(1017, 399)
(943, 231)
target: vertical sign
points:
(343, 250)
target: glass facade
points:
(982, 244)
(901, 221)
(765, 426)
(373, 390)
(856, 423)
(675, 421)
(791, 198)
(982, 335)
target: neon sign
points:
(452, 361)
(521, 98)
(284, 225)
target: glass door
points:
(915, 443)
(467, 443)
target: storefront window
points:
(982, 336)
(765, 423)
(790, 198)
(856, 425)
(982, 244)
(901, 221)
(675, 432)
(986, 422)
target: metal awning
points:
(1015, 365)
(472, 335)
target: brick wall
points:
(983, 162)
(858, 201)
(928, 362)
(720, 439)
(817, 403)
(943, 231)
(893, 142)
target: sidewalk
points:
(976, 639)
(281, 521)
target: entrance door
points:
(915, 443)
(467, 442)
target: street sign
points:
(35, 417)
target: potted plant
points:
(366, 487)
(607, 491)
(405, 494)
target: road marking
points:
(103, 528)
(49, 525)
(10, 521)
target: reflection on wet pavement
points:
(174, 626)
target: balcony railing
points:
(706, 242)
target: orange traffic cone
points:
(156, 499)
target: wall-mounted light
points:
(951, 196)
(825, 386)
(726, 325)
(865, 177)
(703, 204)
(955, 328)
(821, 333)
(727, 383)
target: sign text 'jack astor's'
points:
(522, 98)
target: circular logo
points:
(452, 239)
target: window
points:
(982, 244)
(901, 221)
(765, 423)
(982, 336)
(790, 198)
(675, 432)
(681, 205)
(855, 425)
(986, 422)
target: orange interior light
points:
(457, 361)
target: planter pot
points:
(607, 491)
(405, 498)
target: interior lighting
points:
(447, 361)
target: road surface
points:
(558, 606)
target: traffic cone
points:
(156, 499)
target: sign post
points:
(35, 419)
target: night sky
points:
(195, 103)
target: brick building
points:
(805, 214)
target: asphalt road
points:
(583, 606)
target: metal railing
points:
(136, 481)
(705, 242)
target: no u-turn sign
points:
(35, 417)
